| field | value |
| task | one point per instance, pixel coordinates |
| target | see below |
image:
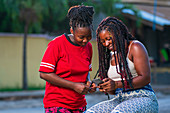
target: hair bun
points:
(80, 15)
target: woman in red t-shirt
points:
(66, 64)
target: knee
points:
(89, 111)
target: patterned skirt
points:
(132, 101)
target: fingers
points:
(106, 79)
(106, 82)
(89, 89)
(85, 90)
(88, 83)
(108, 85)
(103, 90)
(92, 88)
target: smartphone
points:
(97, 81)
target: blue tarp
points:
(149, 17)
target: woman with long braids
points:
(125, 70)
(66, 64)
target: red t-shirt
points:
(71, 62)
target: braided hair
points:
(121, 33)
(80, 16)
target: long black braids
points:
(80, 16)
(103, 62)
(120, 32)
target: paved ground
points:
(31, 101)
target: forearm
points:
(140, 81)
(56, 80)
(137, 82)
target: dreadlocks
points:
(120, 31)
(80, 16)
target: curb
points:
(17, 95)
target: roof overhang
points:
(161, 3)
(147, 19)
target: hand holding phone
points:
(97, 81)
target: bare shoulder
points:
(137, 48)
(137, 45)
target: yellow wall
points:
(94, 59)
(11, 49)
(35, 51)
(11, 60)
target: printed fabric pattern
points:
(64, 110)
(135, 101)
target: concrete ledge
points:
(17, 95)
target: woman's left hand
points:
(92, 87)
(107, 86)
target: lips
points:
(110, 47)
(83, 44)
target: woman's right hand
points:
(107, 86)
(81, 88)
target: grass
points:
(20, 89)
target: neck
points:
(71, 36)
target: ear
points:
(71, 30)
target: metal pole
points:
(154, 15)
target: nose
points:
(85, 40)
(107, 43)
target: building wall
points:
(11, 60)
(150, 41)
(11, 49)
(35, 48)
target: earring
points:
(110, 35)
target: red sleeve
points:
(50, 58)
